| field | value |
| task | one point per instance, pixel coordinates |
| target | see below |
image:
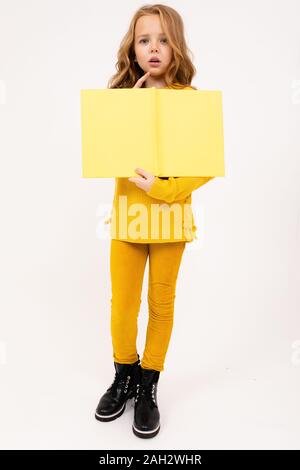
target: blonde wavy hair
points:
(181, 69)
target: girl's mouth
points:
(154, 64)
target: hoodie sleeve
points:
(176, 189)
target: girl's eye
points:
(147, 40)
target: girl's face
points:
(149, 40)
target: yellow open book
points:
(167, 132)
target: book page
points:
(118, 132)
(190, 137)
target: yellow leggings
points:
(127, 266)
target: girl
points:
(156, 33)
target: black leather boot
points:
(113, 403)
(146, 414)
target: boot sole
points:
(145, 434)
(111, 417)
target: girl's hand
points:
(145, 182)
(141, 80)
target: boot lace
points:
(147, 391)
(119, 380)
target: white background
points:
(232, 371)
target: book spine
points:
(156, 131)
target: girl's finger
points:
(134, 180)
(142, 172)
(141, 80)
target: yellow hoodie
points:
(161, 215)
